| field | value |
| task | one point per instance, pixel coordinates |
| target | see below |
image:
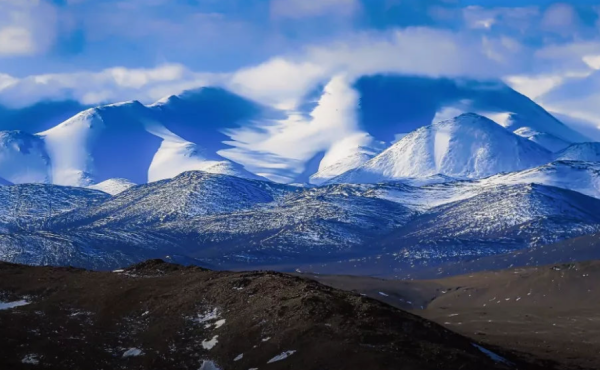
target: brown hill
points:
(161, 316)
(550, 312)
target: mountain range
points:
(392, 119)
(394, 177)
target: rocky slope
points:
(231, 222)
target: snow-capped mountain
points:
(128, 141)
(23, 158)
(189, 195)
(404, 181)
(336, 129)
(540, 127)
(102, 143)
(589, 152)
(468, 146)
(393, 104)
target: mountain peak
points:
(472, 120)
(467, 146)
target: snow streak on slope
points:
(113, 186)
(583, 177)
(23, 158)
(548, 141)
(589, 152)
(346, 155)
(468, 146)
(176, 155)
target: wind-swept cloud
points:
(109, 85)
(284, 81)
(298, 137)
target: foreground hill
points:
(133, 318)
(550, 311)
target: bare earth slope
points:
(161, 316)
(550, 312)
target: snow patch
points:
(9, 305)
(281, 356)
(494, 356)
(133, 352)
(31, 359)
(209, 365)
(207, 316)
(209, 344)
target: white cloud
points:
(308, 8)
(27, 27)
(534, 86)
(593, 61)
(278, 82)
(283, 81)
(16, 41)
(576, 97)
(560, 18)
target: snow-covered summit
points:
(128, 141)
(467, 146)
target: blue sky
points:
(276, 50)
(224, 35)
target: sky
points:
(276, 51)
